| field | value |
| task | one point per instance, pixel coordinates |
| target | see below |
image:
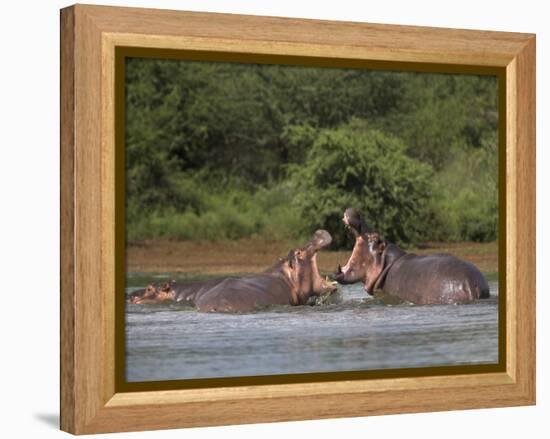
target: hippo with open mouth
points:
(432, 279)
(291, 281)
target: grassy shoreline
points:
(255, 255)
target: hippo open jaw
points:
(303, 272)
(354, 222)
(324, 286)
(319, 240)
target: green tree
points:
(194, 128)
(366, 169)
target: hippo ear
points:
(381, 247)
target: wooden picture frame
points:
(91, 401)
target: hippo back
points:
(245, 294)
(434, 279)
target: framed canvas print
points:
(270, 219)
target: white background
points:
(29, 218)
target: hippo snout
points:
(320, 239)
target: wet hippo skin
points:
(291, 281)
(433, 279)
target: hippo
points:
(382, 266)
(293, 280)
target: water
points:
(168, 342)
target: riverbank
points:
(253, 255)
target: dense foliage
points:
(224, 151)
(367, 169)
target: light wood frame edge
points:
(89, 403)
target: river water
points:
(169, 342)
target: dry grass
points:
(252, 256)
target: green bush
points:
(224, 213)
(368, 170)
(220, 150)
(466, 204)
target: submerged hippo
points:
(291, 281)
(433, 279)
